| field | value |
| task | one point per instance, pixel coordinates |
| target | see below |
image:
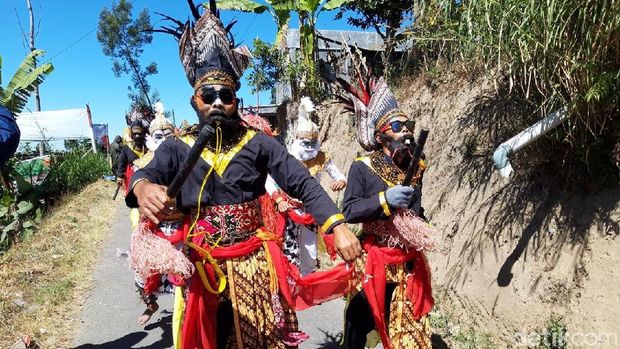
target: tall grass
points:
(557, 53)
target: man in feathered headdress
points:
(138, 121)
(300, 244)
(239, 295)
(396, 283)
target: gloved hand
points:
(399, 196)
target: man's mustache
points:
(216, 113)
(219, 116)
(404, 142)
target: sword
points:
(412, 169)
(118, 187)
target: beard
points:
(400, 149)
(138, 142)
(231, 126)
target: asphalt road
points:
(110, 313)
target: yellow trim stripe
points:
(221, 163)
(138, 153)
(331, 220)
(177, 316)
(384, 204)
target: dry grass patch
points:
(44, 278)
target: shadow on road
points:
(438, 342)
(131, 339)
(330, 340)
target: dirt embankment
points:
(515, 252)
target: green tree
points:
(266, 66)
(24, 82)
(123, 39)
(385, 17)
(308, 12)
(280, 10)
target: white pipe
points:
(525, 137)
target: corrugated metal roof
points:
(370, 41)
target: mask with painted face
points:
(305, 149)
(155, 139)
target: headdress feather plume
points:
(368, 97)
(305, 127)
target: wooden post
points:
(92, 132)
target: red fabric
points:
(303, 219)
(128, 173)
(199, 324)
(418, 283)
(272, 219)
(178, 236)
(151, 284)
(330, 245)
(321, 286)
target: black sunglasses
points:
(209, 96)
(398, 125)
(309, 143)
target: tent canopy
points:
(57, 125)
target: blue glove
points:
(399, 196)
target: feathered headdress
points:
(305, 127)
(160, 122)
(140, 115)
(208, 56)
(370, 99)
(258, 123)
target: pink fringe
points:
(149, 255)
(257, 122)
(412, 232)
(293, 339)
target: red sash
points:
(418, 283)
(199, 324)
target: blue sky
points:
(82, 73)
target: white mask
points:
(305, 149)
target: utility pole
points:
(37, 97)
(32, 48)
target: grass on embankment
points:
(44, 279)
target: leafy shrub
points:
(72, 171)
(17, 218)
(554, 336)
(22, 203)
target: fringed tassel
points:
(413, 232)
(150, 254)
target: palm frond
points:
(25, 80)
